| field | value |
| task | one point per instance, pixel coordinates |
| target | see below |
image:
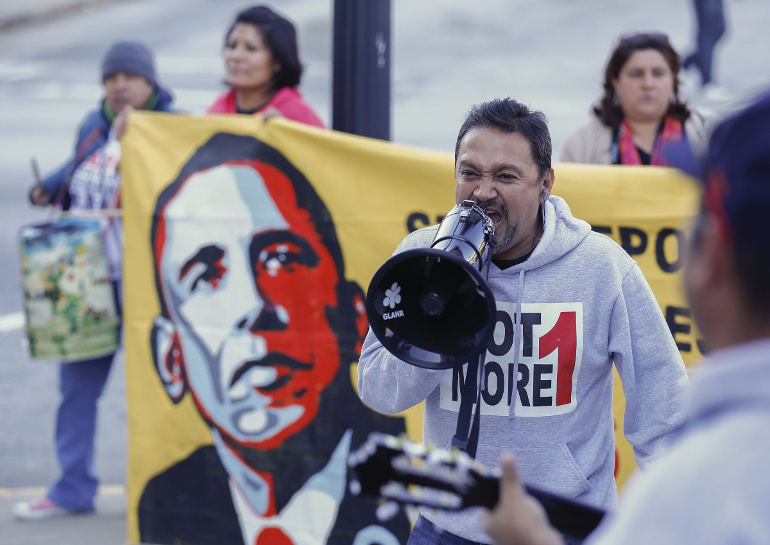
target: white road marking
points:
(35, 491)
(11, 322)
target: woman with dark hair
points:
(263, 68)
(640, 112)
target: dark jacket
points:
(190, 502)
(92, 134)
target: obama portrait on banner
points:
(259, 326)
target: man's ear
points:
(548, 181)
(167, 353)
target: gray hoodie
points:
(584, 304)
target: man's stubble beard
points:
(506, 242)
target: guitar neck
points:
(566, 515)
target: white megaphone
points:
(432, 307)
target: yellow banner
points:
(235, 226)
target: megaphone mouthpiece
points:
(433, 304)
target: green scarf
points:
(110, 115)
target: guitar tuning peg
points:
(411, 513)
(355, 487)
(417, 450)
(387, 511)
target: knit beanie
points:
(131, 57)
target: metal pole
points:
(361, 73)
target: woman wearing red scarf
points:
(640, 112)
(263, 68)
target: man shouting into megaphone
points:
(570, 303)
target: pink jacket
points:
(287, 100)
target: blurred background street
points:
(446, 55)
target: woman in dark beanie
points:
(263, 68)
(90, 180)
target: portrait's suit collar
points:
(252, 494)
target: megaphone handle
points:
(466, 436)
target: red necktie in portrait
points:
(273, 535)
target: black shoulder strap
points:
(466, 435)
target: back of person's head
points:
(736, 194)
(508, 115)
(131, 57)
(609, 109)
(280, 36)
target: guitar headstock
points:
(409, 473)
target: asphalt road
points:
(446, 55)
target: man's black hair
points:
(508, 115)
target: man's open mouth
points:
(495, 215)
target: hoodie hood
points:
(165, 98)
(562, 233)
(731, 379)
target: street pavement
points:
(447, 54)
(15, 13)
(108, 525)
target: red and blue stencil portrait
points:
(258, 326)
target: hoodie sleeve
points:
(650, 366)
(386, 383)
(389, 385)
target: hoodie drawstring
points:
(517, 332)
